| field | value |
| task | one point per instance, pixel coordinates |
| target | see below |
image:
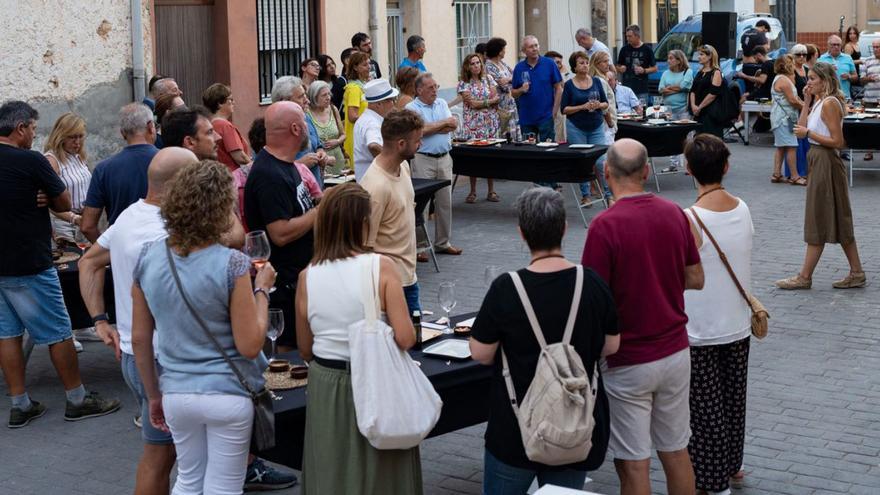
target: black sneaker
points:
(92, 406)
(19, 418)
(262, 478)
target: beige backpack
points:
(556, 414)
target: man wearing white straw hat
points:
(380, 98)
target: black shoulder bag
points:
(263, 434)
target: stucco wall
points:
(71, 55)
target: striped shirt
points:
(76, 176)
(871, 66)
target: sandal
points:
(471, 198)
(493, 197)
(795, 283)
(800, 181)
(777, 178)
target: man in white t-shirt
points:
(368, 128)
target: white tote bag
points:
(395, 404)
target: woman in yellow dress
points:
(357, 71)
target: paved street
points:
(814, 389)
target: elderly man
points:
(635, 61)
(843, 63)
(584, 38)
(415, 48)
(363, 43)
(648, 379)
(30, 292)
(277, 201)
(432, 161)
(368, 128)
(121, 180)
(627, 101)
(537, 87)
(291, 88)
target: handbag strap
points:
(204, 326)
(536, 327)
(370, 288)
(723, 257)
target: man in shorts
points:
(30, 291)
(648, 379)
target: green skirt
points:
(337, 459)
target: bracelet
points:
(263, 291)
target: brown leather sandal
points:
(777, 179)
(800, 181)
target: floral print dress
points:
(479, 123)
(508, 115)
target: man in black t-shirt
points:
(276, 201)
(30, 292)
(635, 61)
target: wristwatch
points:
(100, 317)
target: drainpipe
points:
(137, 51)
(374, 24)
(621, 24)
(520, 20)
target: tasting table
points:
(463, 386)
(660, 140)
(861, 134)
(68, 275)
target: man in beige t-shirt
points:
(393, 221)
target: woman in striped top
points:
(66, 151)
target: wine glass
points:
(593, 99)
(526, 77)
(658, 102)
(81, 241)
(446, 298)
(490, 275)
(256, 246)
(276, 327)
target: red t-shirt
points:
(641, 247)
(230, 140)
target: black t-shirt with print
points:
(630, 57)
(503, 319)
(26, 247)
(275, 191)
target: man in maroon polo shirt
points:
(643, 248)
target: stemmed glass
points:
(256, 246)
(276, 327)
(81, 241)
(593, 99)
(526, 77)
(446, 298)
(658, 102)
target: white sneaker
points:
(87, 335)
(77, 345)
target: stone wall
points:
(600, 20)
(71, 55)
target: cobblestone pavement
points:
(814, 388)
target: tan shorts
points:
(649, 406)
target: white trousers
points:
(212, 434)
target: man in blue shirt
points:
(415, 47)
(121, 180)
(846, 68)
(432, 161)
(538, 92)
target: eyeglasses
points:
(833, 44)
(799, 54)
(315, 64)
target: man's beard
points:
(305, 145)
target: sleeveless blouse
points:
(815, 123)
(327, 132)
(76, 176)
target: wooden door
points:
(184, 45)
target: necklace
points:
(539, 258)
(719, 188)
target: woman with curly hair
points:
(201, 401)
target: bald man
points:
(136, 226)
(648, 379)
(277, 201)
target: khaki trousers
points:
(427, 167)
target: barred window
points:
(473, 25)
(285, 37)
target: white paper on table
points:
(433, 326)
(558, 490)
(466, 323)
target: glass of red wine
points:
(256, 246)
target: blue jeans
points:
(596, 136)
(34, 302)
(132, 377)
(411, 293)
(502, 479)
(544, 130)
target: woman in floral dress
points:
(480, 111)
(502, 74)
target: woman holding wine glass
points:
(329, 298)
(208, 309)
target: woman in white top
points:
(336, 457)
(828, 215)
(65, 149)
(719, 322)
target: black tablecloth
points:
(528, 163)
(68, 274)
(862, 134)
(463, 386)
(424, 190)
(661, 140)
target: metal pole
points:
(137, 51)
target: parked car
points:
(687, 36)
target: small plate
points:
(547, 145)
(581, 146)
(450, 349)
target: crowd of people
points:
(170, 211)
